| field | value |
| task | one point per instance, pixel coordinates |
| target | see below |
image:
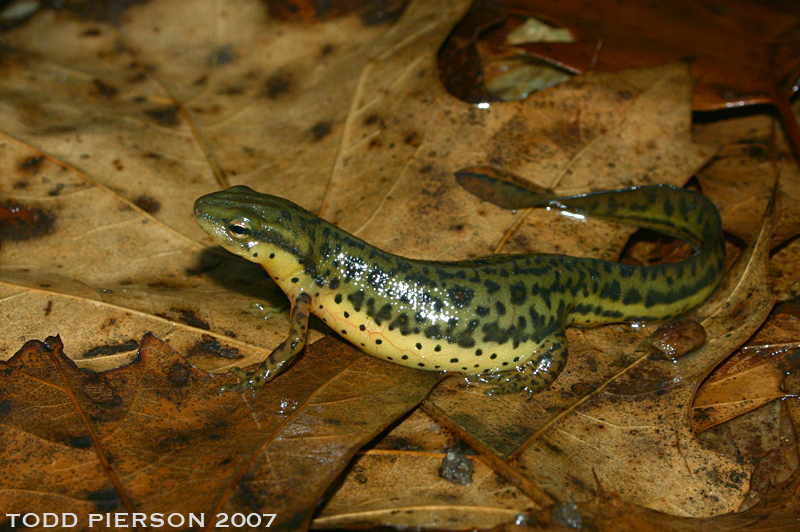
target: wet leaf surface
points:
(115, 117)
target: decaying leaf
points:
(100, 272)
(159, 422)
(742, 52)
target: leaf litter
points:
(238, 105)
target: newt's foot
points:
(531, 377)
(513, 381)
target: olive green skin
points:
(500, 319)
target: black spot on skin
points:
(384, 314)
(611, 291)
(493, 356)
(418, 346)
(335, 283)
(626, 271)
(519, 293)
(478, 352)
(433, 332)
(377, 278)
(460, 296)
(362, 327)
(165, 116)
(454, 360)
(583, 308)
(400, 322)
(320, 130)
(632, 296)
(338, 299)
(379, 341)
(421, 365)
(501, 308)
(295, 280)
(346, 314)
(272, 255)
(653, 297)
(482, 311)
(404, 357)
(491, 286)
(437, 348)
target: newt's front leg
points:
(279, 359)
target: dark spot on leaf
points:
(6, 406)
(24, 223)
(162, 286)
(211, 346)
(105, 90)
(232, 90)
(31, 165)
(383, 12)
(148, 204)
(277, 85)
(80, 442)
(222, 55)
(371, 119)
(105, 350)
(320, 130)
(413, 139)
(178, 374)
(188, 317)
(165, 116)
(104, 501)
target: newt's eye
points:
(239, 228)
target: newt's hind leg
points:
(280, 357)
(533, 376)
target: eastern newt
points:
(498, 319)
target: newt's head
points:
(248, 223)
